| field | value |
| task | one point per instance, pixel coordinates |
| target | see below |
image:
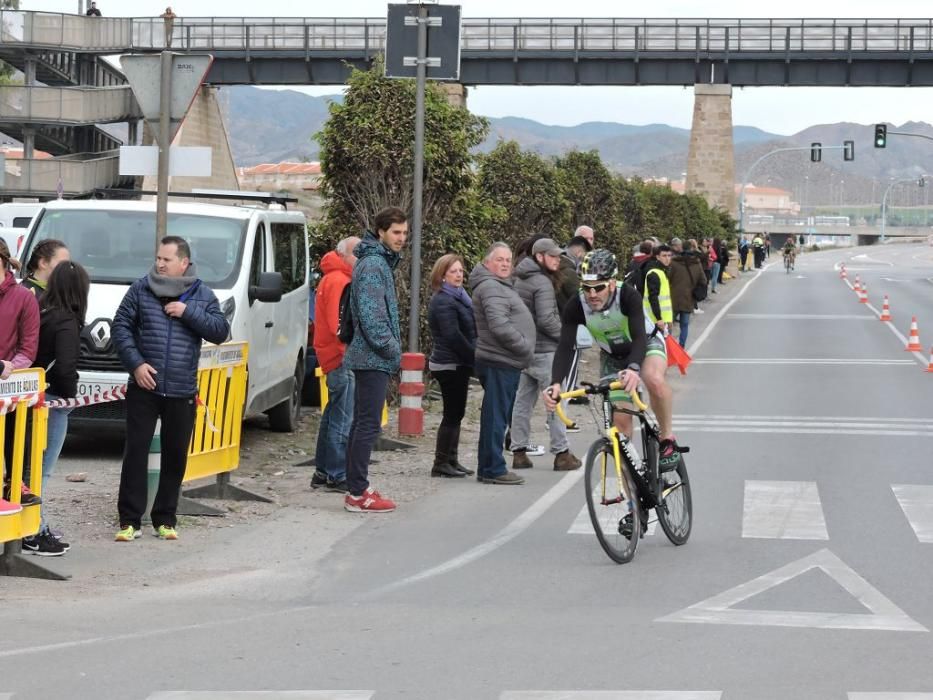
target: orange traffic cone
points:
(885, 310)
(913, 343)
(930, 366)
(863, 297)
(858, 285)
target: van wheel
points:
(284, 417)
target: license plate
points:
(92, 388)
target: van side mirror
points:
(268, 290)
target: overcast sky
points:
(778, 110)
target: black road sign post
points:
(434, 31)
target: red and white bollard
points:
(411, 389)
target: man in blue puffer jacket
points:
(157, 332)
(375, 353)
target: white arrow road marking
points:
(882, 615)
(917, 503)
(784, 510)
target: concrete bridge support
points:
(456, 93)
(711, 159)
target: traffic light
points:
(816, 151)
(881, 135)
(848, 150)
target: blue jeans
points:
(57, 429)
(683, 318)
(714, 274)
(499, 387)
(334, 431)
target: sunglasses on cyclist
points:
(596, 288)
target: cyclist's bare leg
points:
(652, 374)
(623, 422)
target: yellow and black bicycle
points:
(621, 488)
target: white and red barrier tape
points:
(8, 403)
(117, 393)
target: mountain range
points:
(648, 151)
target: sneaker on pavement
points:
(699, 311)
(508, 479)
(566, 461)
(127, 534)
(166, 532)
(7, 508)
(43, 545)
(520, 460)
(369, 502)
(26, 498)
(318, 479)
(573, 428)
(535, 450)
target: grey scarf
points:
(165, 287)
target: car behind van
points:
(254, 258)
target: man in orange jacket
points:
(331, 455)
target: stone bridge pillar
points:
(456, 93)
(711, 160)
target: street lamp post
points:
(884, 200)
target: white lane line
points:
(504, 536)
(900, 336)
(882, 613)
(611, 695)
(783, 510)
(582, 525)
(263, 695)
(800, 361)
(917, 503)
(800, 317)
(698, 343)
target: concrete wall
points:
(711, 159)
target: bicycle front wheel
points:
(612, 503)
(675, 506)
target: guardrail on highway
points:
(116, 34)
(67, 105)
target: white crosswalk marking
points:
(917, 503)
(582, 525)
(785, 510)
(263, 695)
(611, 695)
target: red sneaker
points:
(370, 502)
(7, 508)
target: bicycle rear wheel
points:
(675, 504)
(613, 506)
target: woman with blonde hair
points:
(450, 317)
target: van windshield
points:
(118, 247)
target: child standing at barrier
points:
(158, 331)
(19, 337)
(62, 310)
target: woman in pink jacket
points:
(19, 340)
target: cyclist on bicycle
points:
(790, 251)
(613, 314)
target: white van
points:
(18, 214)
(12, 237)
(255, 258)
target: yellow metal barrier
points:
(21, 398)
(215, 440)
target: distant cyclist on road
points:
(790, 251)
(614, 315)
